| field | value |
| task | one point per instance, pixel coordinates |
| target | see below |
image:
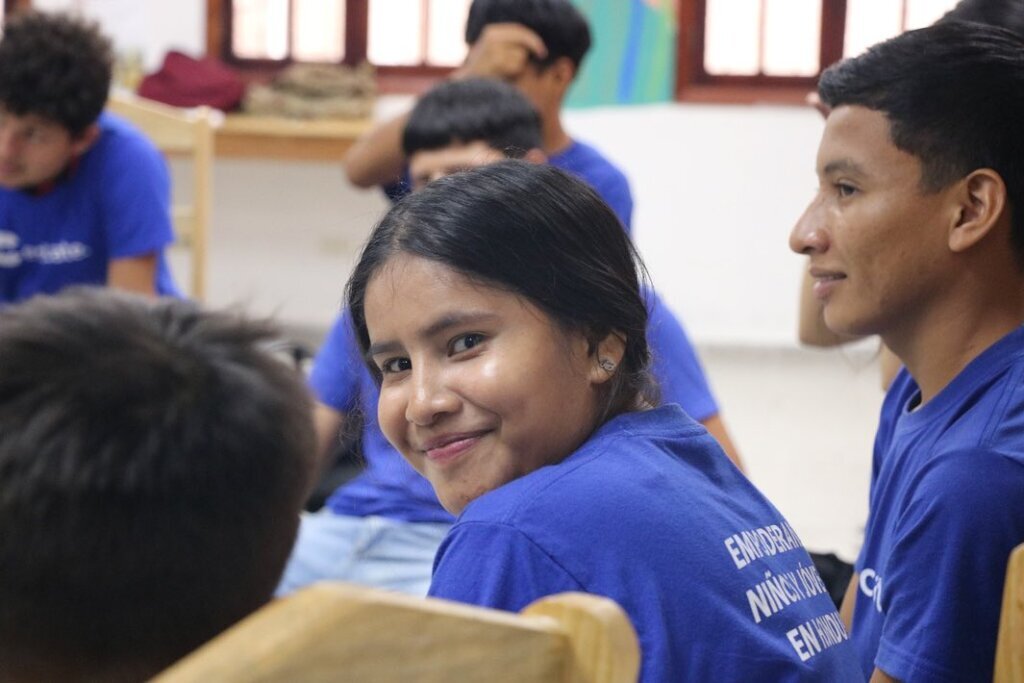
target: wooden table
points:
(266, 137)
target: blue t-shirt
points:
(582, 161)
(114, 203)
(652, 514)
(391, 488)
(586, 163)
(947, 507)
(675, 365)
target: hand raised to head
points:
(502, 51)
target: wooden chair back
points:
(1010, 648)
(342, 632)
(184, 133)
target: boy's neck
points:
(48, 186)
(555, 139)
(941, 343)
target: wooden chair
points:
(180, 133)
(1010, 647)
(341, 632)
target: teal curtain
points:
(633, 56)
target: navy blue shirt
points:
(947, 508)
(652, 514)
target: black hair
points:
(1006, 13)
(954, 97)
(561, 26)
(54, 66)
(564, 251)
(153, 462)
(470, 110)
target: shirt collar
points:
(45, 188)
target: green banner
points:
(633, 56)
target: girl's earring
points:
(607, 365)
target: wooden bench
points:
(1010, 648)
(342, 632)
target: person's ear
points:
(981, 198)
(81, 143)
(563, 71)
(535, 156)
(606, 357)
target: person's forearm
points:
(328, 423)
(502, 51)
(849, 599)
(716, 427)
(135, 274)
(377, 157)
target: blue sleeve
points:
(495, 565)
(943, 581)
(336, 370)
(135, 197)
(675, 363)
(620, 199)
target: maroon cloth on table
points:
(184, 81)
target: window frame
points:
(390, 79)
(694, 84)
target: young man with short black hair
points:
(917, 235)
(84, 197)
(153, 462)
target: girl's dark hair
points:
(534, 231)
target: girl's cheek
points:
(491, 367)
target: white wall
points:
(717, 189)
(148, 27)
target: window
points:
(775, 49)
(400, 37)
(869, 22)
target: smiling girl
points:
(500, 310)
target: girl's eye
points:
(393, 365)
(466, 342)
